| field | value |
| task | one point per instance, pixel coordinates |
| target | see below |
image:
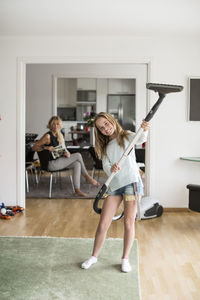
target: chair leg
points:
(60, 179)
(92, 175)
(55, 177)
(32, 175)
(72, 183)
(36, 177)
(27, 183)
(93, 171)
(39, 175)
(98, 175)
(50, 185)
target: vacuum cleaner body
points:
(150, 208)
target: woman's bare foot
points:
(92, 181)
(78, 192)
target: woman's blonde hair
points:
(101, 140)
(59, 134)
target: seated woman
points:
(74, 161)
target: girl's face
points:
(55, 126)
(105, 127)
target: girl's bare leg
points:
(110, 206)
(130, 210)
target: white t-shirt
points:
(129, 171)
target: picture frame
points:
(194, 99)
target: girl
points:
(110, 142)
(53, 138)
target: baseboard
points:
(176, 209)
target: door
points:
(102, 68)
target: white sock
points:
(126, 267)
(88, 263)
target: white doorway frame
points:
(21, 110)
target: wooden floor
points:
(169, 246)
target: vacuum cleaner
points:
(145, 207)
(150, 208)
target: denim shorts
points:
(127, 191)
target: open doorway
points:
(137, 72)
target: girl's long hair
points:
(59, 134)
(101, 140)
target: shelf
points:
(196, 159)
(85, 103)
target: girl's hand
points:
(145, 125)
(67, 154)
(115, 168)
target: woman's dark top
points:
(53, 142)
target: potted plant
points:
(89, 118)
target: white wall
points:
(172, 61)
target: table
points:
(194, 190)
(78, 148)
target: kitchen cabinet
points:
(102, 91)
(121, 86)
(66, 92)
(87, 84)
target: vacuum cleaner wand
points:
(162, 90)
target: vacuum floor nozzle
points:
(164, 88)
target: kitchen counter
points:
(78, 132)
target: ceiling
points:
(138, 18)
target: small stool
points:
(194, 197)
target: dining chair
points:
(30, 166)
(140, 158)
(97, 165)
(44, 157)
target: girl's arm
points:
(115, 168)
(143, 138)
(145, 125)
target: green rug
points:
(45, 268)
